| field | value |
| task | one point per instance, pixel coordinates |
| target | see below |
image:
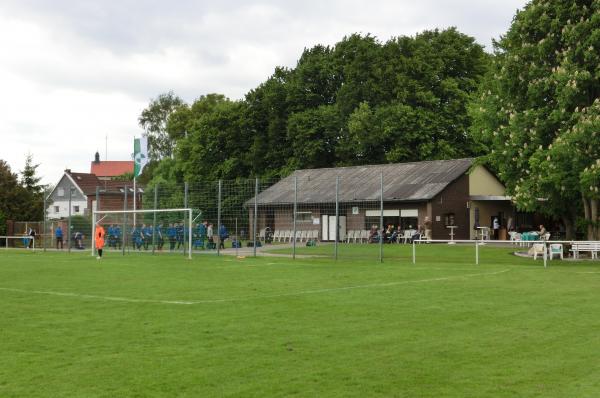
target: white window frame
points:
(307, 217)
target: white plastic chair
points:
(349, 235)
(555, 249)
(538, 248)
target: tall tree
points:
(154, 121)
(33, 194)
(13, 197)
(29, 179)
(360, 101)
(537, 110)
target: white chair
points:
(514, 236)
(349, 235)
(262, 235)
(314, 234)
(276, 235)
(555, 249)
(538, 248)
(364, 236)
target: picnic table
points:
(530, 236)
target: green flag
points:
(140, 155)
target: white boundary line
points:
(248, 298)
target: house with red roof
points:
(109, 169)
(83, 187)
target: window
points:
(56, 209)
(304, 216)
(76, 209)
(61, 192)
(449, 219)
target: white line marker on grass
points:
(248, 298)
(91, 296)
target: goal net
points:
(160, 230)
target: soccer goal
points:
(160, 230)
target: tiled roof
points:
(111, 168)
(88, 183)
(417, 181)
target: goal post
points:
(99, 215)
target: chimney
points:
(97, 157)
(68, 171)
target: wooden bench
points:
(592, 247)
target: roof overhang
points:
(489, 197)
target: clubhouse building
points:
(455, 195)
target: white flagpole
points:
(134, 201)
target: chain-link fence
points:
(311, 214)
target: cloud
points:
(73, 72)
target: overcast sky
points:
(75, 71)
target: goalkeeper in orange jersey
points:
(99, 238)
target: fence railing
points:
(311, 207)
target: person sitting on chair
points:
(542, 232)
(374, 234)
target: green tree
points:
(536, 111)
(154, 120)
(13, 197)
(29, 179)
(360, 101)
(33, 194)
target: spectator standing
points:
(58, 234)
(496, 228)
(223, 234)
(427, 225)
(210, 234)
(32, 240)
(171, 235)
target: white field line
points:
(248, 298)
(597, 272)
(91, 296)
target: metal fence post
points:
(294, 218)
(154, 217)
(381, 220)
(255, 216)
(124, 231)
(337, 215)
(219, 217)
(44, 223)
(69, 222)
(94, 220)
(185, 206)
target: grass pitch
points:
(161, 325)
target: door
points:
(324, 227)
(328, 225)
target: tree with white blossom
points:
(538, 111)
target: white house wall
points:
(63, 209)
